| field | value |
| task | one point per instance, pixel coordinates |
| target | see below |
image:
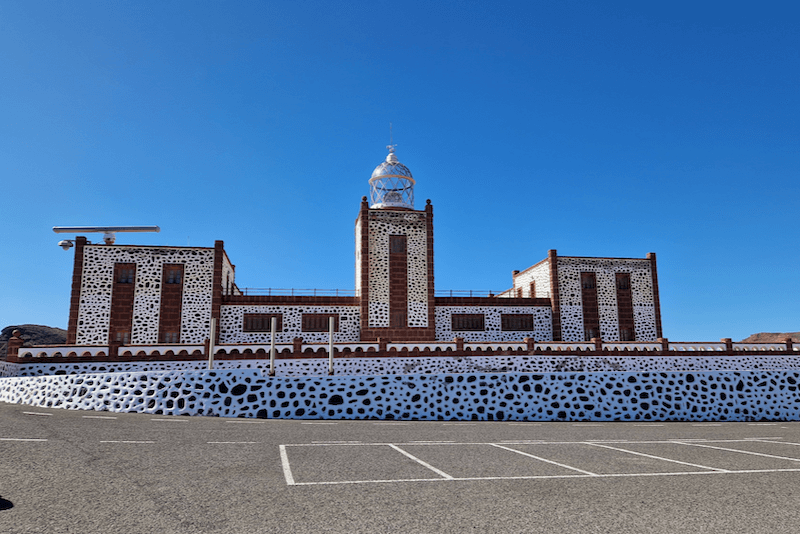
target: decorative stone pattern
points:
(232, 320)
(9, 369)
(605, 269)
(444, 364)
(542, 323)
(601, 396)
(97, 283)
(382, 224)
(540, 274)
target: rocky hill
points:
(33, 334)
(768, 337)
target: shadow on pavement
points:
(5, 504)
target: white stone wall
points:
(542, 322)
(228, 276)
(444, 364)
(601, 396)
(382, 224)
(538, 273)
(97, 282)
(605, 269)
(232, 320)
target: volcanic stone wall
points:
(602, 396)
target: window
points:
(397, 244)
(626, 334)
(532, 290)
(262, 322)
(623, 281)
(590, 333)
(125, 275)
(124, 338)
(468, 322)
(170, 337)
(173, 274)
(318, 322)
(516, 322)
(519, 292)
(588, 280)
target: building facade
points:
(139, 295)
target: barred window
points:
(623, 281)
(262, 322)
(173, 274)
(468, 322)
(318, 322)
(516, 322)
(170, 337)
(125, 275)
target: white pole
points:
(330, 345)
(211, 337)
(272, 329)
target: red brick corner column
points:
(75, 297)
(216, 285)
(13, 346)
(656, 301)
(552, 257)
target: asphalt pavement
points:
(99, 472)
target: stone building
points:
(140, 295)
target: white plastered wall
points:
(542, 323)
(94, 312)
(232, 321)
(540, 274)
(605, 269)
(413, 225)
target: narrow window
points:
(532, 290)
(318, 322)
(516, 322)
(468, 322)
(125, 275)
(519, 292)
(397, 244)
(170, 337)
(173, 274)
(123, 338)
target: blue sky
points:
(594, 128)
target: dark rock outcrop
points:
(33, 334)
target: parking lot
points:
(443, 461)
(77, 471)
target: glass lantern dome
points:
(391, 185)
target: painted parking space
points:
(313, 464)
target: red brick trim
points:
(216, 285)
(169, 317)
(75, 297)
(552, 257)
(656, 301)
(363, 217)
(122, 296)
(431, 284)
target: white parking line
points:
(97, 417)
(545, 460)
(231, 442)
(391, 423)
(762, 424)
(657, 457)
(126, 441)
(420, 462)
(423, 441)
(36, 413)
(287, 471)
(22, 439)
(745, 452)
(708, 424)
(332, 442)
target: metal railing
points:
(467, 293)
(295, 292)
